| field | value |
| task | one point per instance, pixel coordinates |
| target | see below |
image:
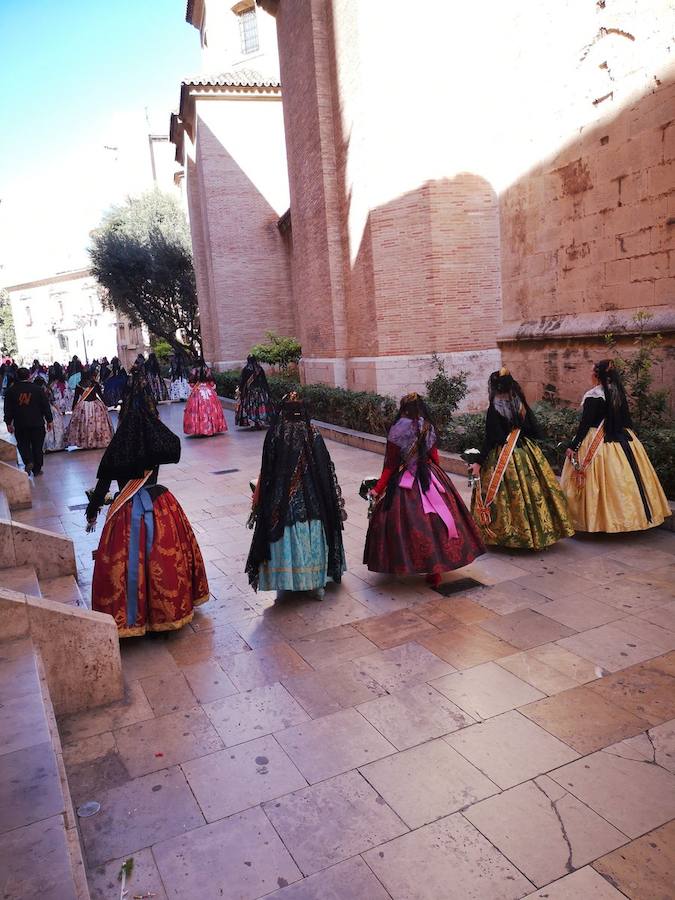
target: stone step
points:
(63, 589)
(4, 506)
(39, 848)
(22, 579)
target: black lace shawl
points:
(141, 441)
(297, 484)
(254, 372)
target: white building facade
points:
(60, 316)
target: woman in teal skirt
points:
(298, 509)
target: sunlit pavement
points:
(387, 741)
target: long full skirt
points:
(90, 427)
(254, 408)
(62, 401)
(610, 498)
(404, 540)
(57, 437)
(530, 509)
(171, 577)
(204, 412)
(298, 560)
(113, 388)
(179, 389)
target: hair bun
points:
(503, 372)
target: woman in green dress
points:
(517, 501)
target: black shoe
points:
(39, 472)
(29, 468)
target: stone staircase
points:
(56, 657)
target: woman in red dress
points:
(419, 524)
(203, 411)
(149, 572)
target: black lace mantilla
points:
(297, 484)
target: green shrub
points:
(278, 351)
(660, 445)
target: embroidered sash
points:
(85, 393)
(581, 467)
(432, 502)
(483, 506)
(127, 492)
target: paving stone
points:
(643, 869)
(240, 856)
(631, 596)
(395, 629)
(557, 585)
(266, 665)
(34, 862)
(544, 830)
(340, 686)
(631, 794)
(583, 719)
(251, 714)
(233, 780)
(644, 690)
(448, 859)
(427, 782)
(348, 880)
(333, 646)
(564, 661)
(401, 667)
(582, 884)
(414, 715)
(655, 634)
(333, 744)
(145, 879)
(133, 708)
(581, 613)
(526, 628)
(187, 647)
(661, 615)
(138, 814)
(208, 681)
(541, 676)
(610, 647)
(510, 749)
(168, 693)
(449, 611)
(226, 609)
(486, 690)
(151, 656)
(332, 821)
(88, 749)
(466, 646)
(30, 788)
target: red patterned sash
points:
(483, 506)
(581, 467)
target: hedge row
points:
(374, 413)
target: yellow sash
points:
(85, 393)
(127, 493)
(581, 467)
(483, 506)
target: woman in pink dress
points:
(203, 414)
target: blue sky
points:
(76, 76)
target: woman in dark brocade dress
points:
(419, 525)
(149, 572)
(254, 406)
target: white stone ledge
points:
(586, 325)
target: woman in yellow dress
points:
(610, 483)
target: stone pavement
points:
(388, 741)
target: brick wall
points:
(242, 191)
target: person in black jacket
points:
(26, 411)
(610, 483)
(517, 502)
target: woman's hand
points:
(475, 469)
(569, 453)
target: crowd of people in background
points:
(418, 522)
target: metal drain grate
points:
(224, 471)
(457, 587)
